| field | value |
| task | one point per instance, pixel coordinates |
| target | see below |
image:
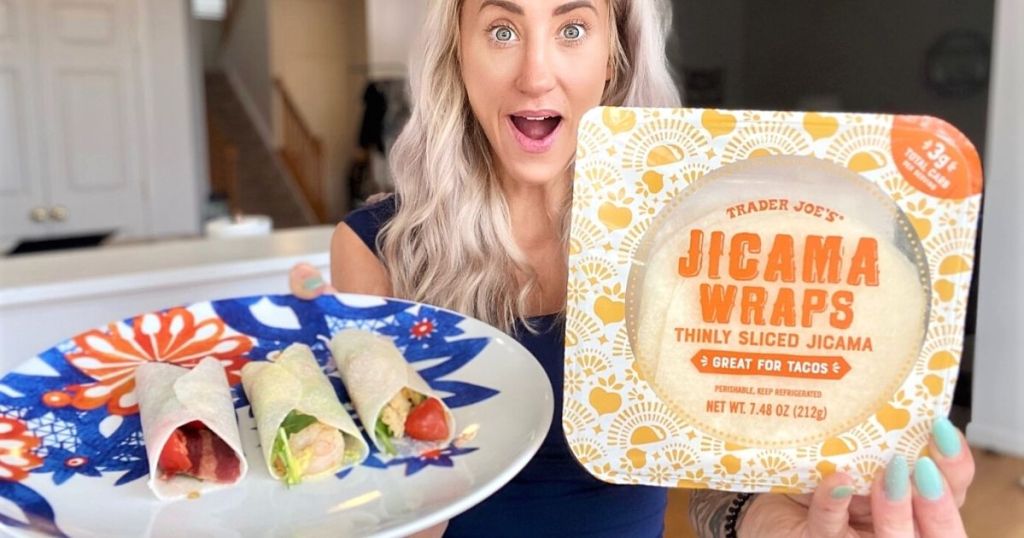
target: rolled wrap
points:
(171, 396)
(294, 381)
(374, 371)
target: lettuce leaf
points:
(296, 422)
(384, 435)
(281, 454)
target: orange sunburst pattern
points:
(16, 446)
(111, 357)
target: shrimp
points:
(320, 446)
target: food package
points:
(759, 299)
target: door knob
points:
(38, 214)
(59, 213)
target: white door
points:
(91, 107)
(24, 210)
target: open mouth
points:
(536, 127)
(535, 133)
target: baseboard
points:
(995, 438)
(249, 104)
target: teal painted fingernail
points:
(927, 479)
(897, 479)
(312, 283)
(842, 492)
(946, 437)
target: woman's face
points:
(532, 68)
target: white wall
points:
(246, 62)
(392, 28)
(318, 50)
(198, 96)
(997, 420)
(209, 37)
(175, 139)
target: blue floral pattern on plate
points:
(70, 412)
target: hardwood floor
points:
(994, 506)
(995, 503)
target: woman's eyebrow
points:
(570, 6)
(508, 5)
(504, 4)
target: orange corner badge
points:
(935, 158)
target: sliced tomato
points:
(174, 456)
(426, 421)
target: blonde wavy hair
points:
(450, 242)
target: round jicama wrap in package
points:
(399, 410)
(834, 304)
(304, 430)
(758, 299)
(176, 402)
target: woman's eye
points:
(573, 32)
(503, 34)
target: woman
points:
(478, 224)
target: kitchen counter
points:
(48, 297)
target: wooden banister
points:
(223, 156)
(302, 152)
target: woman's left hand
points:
(306, 282)
(925, 506)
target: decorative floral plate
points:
(72, 461)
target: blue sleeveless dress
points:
(553, 495)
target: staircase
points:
(254, 182)
(302, 152)
(284, 182)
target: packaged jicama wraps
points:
(758, 299)
(305, 432)
(396, 406)
(189, 428)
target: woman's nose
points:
(537, 74)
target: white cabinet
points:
(89, 97)
(78, 114)
(24, 211)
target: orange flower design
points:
(173, 336)
(16, 445)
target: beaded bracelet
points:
(734, 513)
